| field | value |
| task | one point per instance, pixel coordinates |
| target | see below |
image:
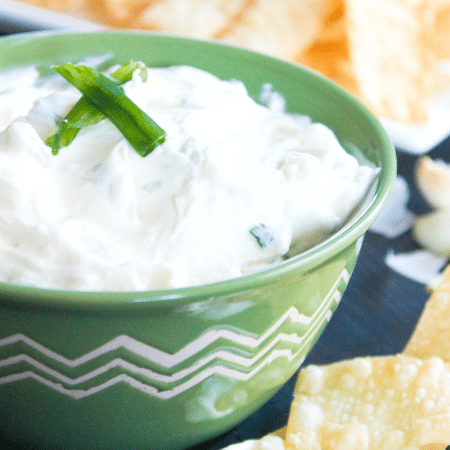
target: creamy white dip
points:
(98, 216)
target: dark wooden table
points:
(376, 316)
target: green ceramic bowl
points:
(168, 369)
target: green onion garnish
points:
(125, 72)
(84, 113)
(263, 234)
(104, 98)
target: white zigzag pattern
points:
(168, 360)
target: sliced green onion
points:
(82, 114)
(125, 72)
(104, 98)
(263, 234)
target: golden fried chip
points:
(371, 403)
(329, 53)
(432, 334)
(393, 47)
(433, 180)
(282, 28)
(386, 53)
(442, 28)
(76, 8)
(197, 18)
(58, 5)
(123, 11)
(269, 442)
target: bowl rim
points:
(306, 261)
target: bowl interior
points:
(305, 92)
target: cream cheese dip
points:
(234, 187)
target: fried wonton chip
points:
(57, 5)
(196, 18)
(386, 53)
(329, 53)
(77, 8)
(281, 28)
(393, 47)
(433, 180)
(269, 442)
(119, 13)
(393, 403)
(432, 229)
(432, 334)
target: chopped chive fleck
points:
(263, 234)
(150, 187)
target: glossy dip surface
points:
(236, 185)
